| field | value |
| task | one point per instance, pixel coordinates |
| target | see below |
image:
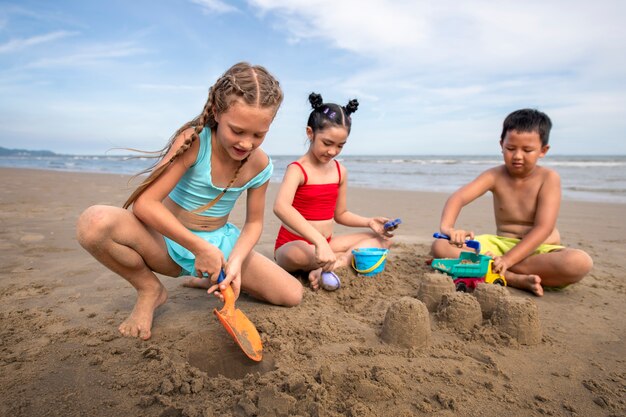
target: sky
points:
(432, 77)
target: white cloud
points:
(14, 45)
(455, 69)
(214, 6)
(352, 25)
(506, 36)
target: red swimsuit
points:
(313, 202)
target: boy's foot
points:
(530, 283)
(139, 323)
(314, 278)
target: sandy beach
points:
(61, 353)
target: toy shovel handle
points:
(229, 295)
(474, 244)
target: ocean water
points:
(587, 178)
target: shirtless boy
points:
(526, 198)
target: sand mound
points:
(459, 311)
(488, 296)
(432, 287)
(407, 323)
(518, 317)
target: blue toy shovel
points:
(474, 244)
(238, 325)
(392, 224)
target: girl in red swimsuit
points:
(312, 198)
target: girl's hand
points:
(500, 265)
(325, 257)
(232, 270)
(459, 236)
(209, 262)
(377, 224)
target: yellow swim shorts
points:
(499, 245)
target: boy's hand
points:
(500, 265)
(459, 236)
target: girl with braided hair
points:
(313, 196)
(179, 219)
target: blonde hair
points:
(252, 84)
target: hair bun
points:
(316, 101)
(352, 106)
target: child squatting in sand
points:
(526, 198)
(179, 219)
(312, 197)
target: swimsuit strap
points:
(338, 170)
(306, 177)
(220, 195)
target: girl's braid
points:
(198, 124)
(253, 84)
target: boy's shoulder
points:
(543, 177)
(539, 171)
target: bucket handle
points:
(370, 269)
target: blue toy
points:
(392, 225)
(474, 244)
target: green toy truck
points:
(469, 270)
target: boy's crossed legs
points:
(557, 268)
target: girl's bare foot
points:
(195, 282)
(314, 278)
(343, 261)
(139, 323)
(530, 283)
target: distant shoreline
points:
(274, 183)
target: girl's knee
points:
(293, 297)
(93, 224)
(292, 258)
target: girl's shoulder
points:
(191, 149)
(259, 160)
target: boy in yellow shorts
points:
(526, 197)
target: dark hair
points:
(330, 114)
(528, 120)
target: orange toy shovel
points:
(238, 325)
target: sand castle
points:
(407, 321)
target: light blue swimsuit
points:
(195, 189)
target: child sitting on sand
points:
(179, 219)
(526, 197)
(313, 195)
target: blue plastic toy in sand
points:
(392, 224)
(369, 261)
(474, 244)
